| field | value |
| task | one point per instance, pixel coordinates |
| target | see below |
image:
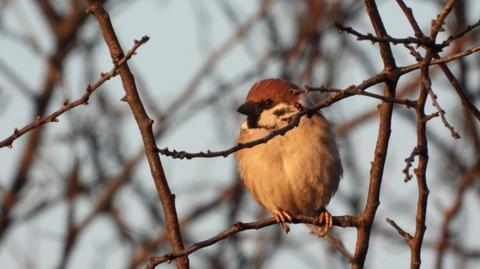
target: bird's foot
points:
(283, 218)
(327, 220)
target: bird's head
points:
(271, 103)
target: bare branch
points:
(450, 213)
(400, 231)
(441, 113)
(292, 124)
(342, 221)
(418, 33)
(409, 162)
(337, 244)
(440, 61)
(422, 142)
(468, 29)
(353, 90)
(67, 105)
(383, 138)
(145, 126)
(340, 94)
(425, 42)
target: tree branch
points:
(67, 105)
(342, 221)
(415, 243)
(448, 73)
(145, 125)
(339, 95)
(383, 138)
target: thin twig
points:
(439, 61)
(400, 231)
(353, 90)
(295, 120)
(337, 244)
(67, 105)
(65, 40)
(441, 113)
(437, 24)
(341, 94)
(415, 243)
(468, 29)
(409, 162)
(450, 213)
(436, 27)
(448, 73)
(342, 221)
(413, 52)
(387, 38)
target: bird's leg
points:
(282, 218)
(327, 220)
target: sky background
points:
(182, 36)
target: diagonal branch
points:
(292, 124)
(83, 100)
(353, 90)
(468, 29)
(387, 38)
(467, 181)
(342, 221)
(145, 126)
(466, 102)
(406, 236)
(441, 62)
(358, 89)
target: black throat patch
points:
(252, 121)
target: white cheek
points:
(268, 119)
(244, 125)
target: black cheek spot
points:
(252, 122)
(279, 112)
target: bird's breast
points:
(297, 172)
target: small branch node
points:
(409, 162)
(400, 231)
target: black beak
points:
(249, 109)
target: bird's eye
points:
(267, 102)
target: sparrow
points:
(292, 174)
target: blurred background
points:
(83, 193)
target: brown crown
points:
(279, 90)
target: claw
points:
(327, 220)
(283, 218)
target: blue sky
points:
(181, 39)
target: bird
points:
(292, 174)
